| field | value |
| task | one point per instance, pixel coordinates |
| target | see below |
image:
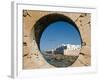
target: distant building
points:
(73, 47)
(72, 50)
(66, 49)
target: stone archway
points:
(32, 56)
(43, 23)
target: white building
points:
(72, 50)
(67, 49)
(73, 47)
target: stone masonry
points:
(32, 57)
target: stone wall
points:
(32, 57)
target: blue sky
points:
(59, 33)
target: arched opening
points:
(41, 27)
